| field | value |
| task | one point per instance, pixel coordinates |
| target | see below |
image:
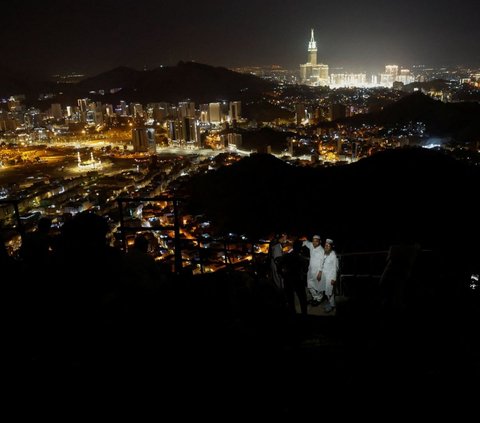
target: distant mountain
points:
(15, 82)
(122, 77)
(406, 194)
(263, 137)
(459, 120)
(414, 107)
(436, 85)
(264, 111)
(196, 82)
(187, 80)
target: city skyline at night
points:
(165, 168)
(91, 38)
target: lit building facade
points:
(143, 140)
(312, 73)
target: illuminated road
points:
(60, 160)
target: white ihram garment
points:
(329, 273)
(315, 266)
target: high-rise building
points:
(152, 145)
(313, 73)
(190, 131)
(235, 111)
(232, 140)
(337, 111)
(300, 113)
(214, 113)
(405, 76)
(143, 140)
(185, 131)
(348, 79)
(174, 130)
(390, 76)
(56, 109)
(392, 70)
(82, 104)
(204, 113)
(123, 108)
(161, 111)
(137, 110)
(186, 109)
(109, 110)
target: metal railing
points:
(359, 269)
(176, 225)
(201, 246)
(18, 225)
(362, 264)
(232, 253)
(16, 213)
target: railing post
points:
(200, 256)
(19, 221)
(122, 225)
(225, 251)
(178, 252)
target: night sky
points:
(91, 36)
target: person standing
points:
(275, 252)
(293, 266)
(36, 249)
(314, 273)
(329, 275)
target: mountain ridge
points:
(458, 120)
(200, 83)
(411, 193)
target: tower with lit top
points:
(313, 73)
(312, 50)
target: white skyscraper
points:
(313, 73)
(214, 113)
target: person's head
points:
(297, 245)
(44, 224)
(141, 243)
(328, 245)
(316, 240)
(86, 229)
(281, 237)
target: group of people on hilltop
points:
(307, 265)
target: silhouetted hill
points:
(15, 82)
(395, 195)
(198, 82)
(264, 137)
(415, 107)
(264, 111)
(459, 120)
(436, 84)
(121, 77)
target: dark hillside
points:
(187, 80)
(458, 120)
(392, 196)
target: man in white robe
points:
(315, 269)
(329, 275)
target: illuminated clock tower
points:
(312, 51)
(312, 73)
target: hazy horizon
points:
(92, 37)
